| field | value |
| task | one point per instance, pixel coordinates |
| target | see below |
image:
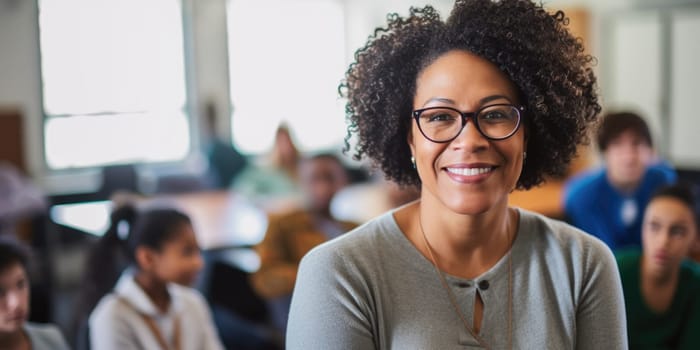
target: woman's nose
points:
(470, 137)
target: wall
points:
(20, 78)
(19, 73)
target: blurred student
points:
(291, 235)
(23, 206)
(224, 160)
(151, 306)
(274, 177)
(105, 262)
(662, 287)
(19, 199)
(608, 202)
(15, 332)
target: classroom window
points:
(113, 75)
(286, 59)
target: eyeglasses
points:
(443, 124)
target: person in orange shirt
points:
(292, 234)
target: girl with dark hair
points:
(105, 263)
(496, 97)
(662, 287)
(151, 306)
(15, 331)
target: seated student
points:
(105, 262)
(15, 331)
(151, 306)
(291, 235)
(662, 287)
(224, 160)
(608, 202)
(272, 181)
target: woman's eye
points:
(440, 117)
(497, 116)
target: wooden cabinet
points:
(12, 138)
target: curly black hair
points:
(531, 46)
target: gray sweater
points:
(372, 289)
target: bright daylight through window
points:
(113, 77)
(286, 61)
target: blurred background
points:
(85, 74)
(100, 96)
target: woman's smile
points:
(470, 173)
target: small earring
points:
(524, 155)
(413, 161)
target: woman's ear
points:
(409, 140)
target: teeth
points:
(469, 171)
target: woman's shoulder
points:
(360, 244)
(45, 336)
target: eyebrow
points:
(482, 102)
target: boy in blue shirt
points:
(608, 203)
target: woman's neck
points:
(155, 289)
(465, 245)
(14, 340)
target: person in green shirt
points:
(661, 286)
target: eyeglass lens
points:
(443, 123)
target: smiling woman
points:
(495, 98)
(472, 171)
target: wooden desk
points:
(220, 219)
(223, 219)
(545, 199)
